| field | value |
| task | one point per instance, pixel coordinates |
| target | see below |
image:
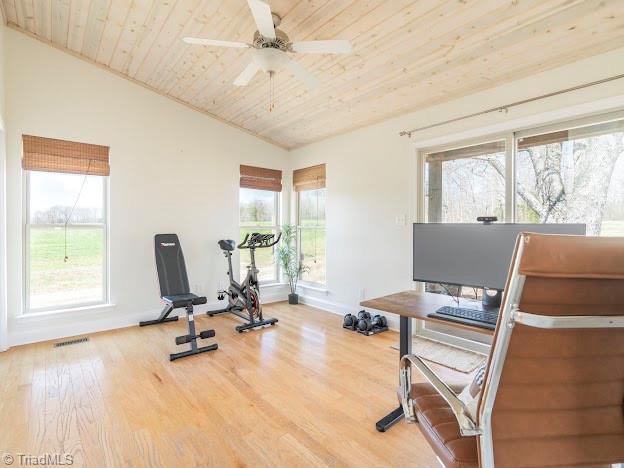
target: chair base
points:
(389, 420)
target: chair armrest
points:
(467, 426)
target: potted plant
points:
(289, 260)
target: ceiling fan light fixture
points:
(269, 59)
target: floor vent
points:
(71, 342)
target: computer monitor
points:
(475, 255)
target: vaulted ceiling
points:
(407, 54)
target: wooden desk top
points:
(417, 305)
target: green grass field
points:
(54, 281)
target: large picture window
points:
(259, 212)
(65, 246)
(568, 173)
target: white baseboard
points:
(34, 329)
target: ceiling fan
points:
(271, 45)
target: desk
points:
(409, 305)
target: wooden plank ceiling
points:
(407, 54)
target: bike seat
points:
(228, 244)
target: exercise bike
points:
(244, 298)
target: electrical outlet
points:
(400, 220)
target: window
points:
(573, 175)
(259, 212)
(65, 224)
(311, 228)
(309, 184)
(464, 183)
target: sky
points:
(49, 189)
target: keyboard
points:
(474, 317)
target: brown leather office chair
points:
(553, 392)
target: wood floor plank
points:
(305, 392)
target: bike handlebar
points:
(259, 241)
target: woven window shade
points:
(260, 178)
(50, 155)
(468, 152)
(309, 178)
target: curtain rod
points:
(506, 108)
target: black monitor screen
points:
(472, 254)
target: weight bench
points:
(174, 292)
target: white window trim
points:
(275, 281)
(311, 285)
(26, 228)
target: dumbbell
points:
(349, 321)
(379, 321)
(364, 321)
(188, 338)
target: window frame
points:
(510, 157)
(511, 137)
(26, 235)
(277, 204)
(314, 284)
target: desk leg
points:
(405, 347)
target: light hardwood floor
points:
(302, 393)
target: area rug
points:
(455, 358)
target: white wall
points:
(3, 308)
(172, 170)
(371, 173)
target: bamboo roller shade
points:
(309, 178)
(529, 142)
(260, 178)
(51, 155)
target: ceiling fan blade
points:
(302, 74)
(335, 46)
(262, 16)
(214, 42)
(247, 74)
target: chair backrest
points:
(170, 265)
(556, 395)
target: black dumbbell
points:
(362, 314)
(349, 320)
(365, 324)
(379, 321)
